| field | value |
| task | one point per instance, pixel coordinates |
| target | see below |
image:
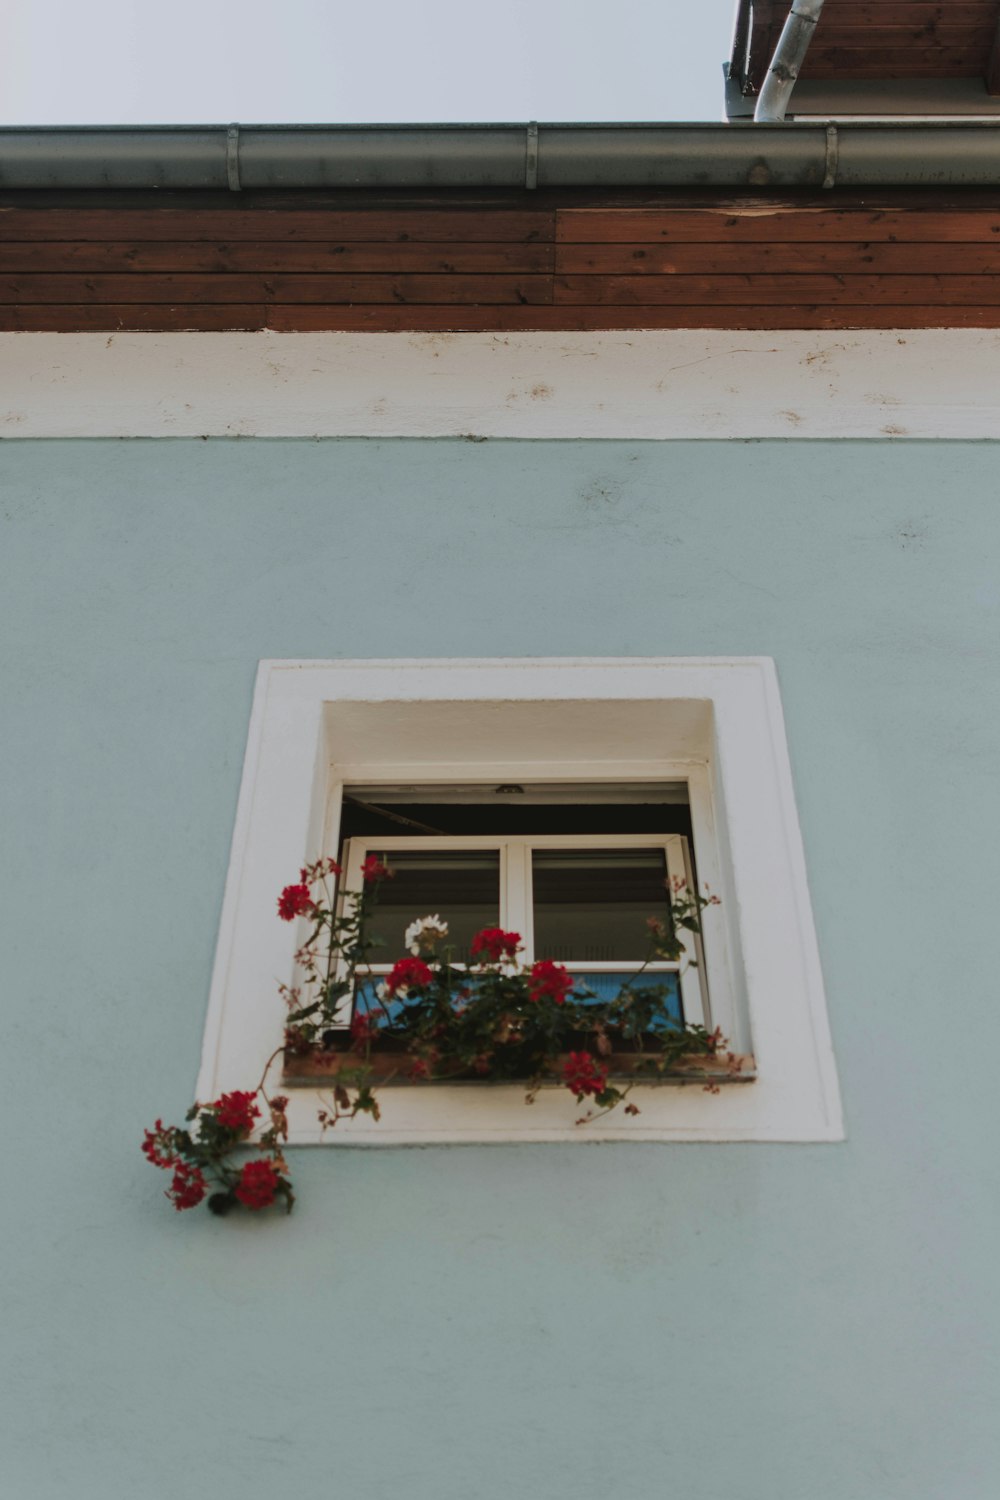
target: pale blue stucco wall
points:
(701, 1322)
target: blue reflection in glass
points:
(607, 985)
(604, 985)
(366, 999)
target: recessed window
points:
(553, 798)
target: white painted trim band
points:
(673, 384)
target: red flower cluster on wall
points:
(365, 1026)
(188, 1186)
(158, 1145)
(584, 1075)
(496, 1017)
(258, 1184)
(549, 981)
(294, 901)
(237, 1111)
(218, 1130)
(406, 972)
(496, 944)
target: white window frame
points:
(517, 908)
(715, 723)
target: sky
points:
(131, 62)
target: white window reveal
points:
(553, 798)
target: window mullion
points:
(517, 909)
(691, 980)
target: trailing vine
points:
(432, 1018)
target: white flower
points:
(424, 933)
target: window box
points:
(389, 1062)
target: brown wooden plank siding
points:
(235, 222)
(760, 222)
(598, 262)
(930, 14)
(892, 39)
(275, 257)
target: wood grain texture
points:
(774, 223)
(870, 39)
(433, 226)
(906, 12)
(857, 256)
(273, 257)
(767, 290)
(312, 318)
(494, 290)
(910, 35)
(991, 75)
(109, 318)
(643, 260)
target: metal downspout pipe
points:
(789, 55)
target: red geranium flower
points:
(158, 1145)
(406, 972)
(495, 943)
(583, 1075)
(373, 869)
(365, 1025)
(258, 1184)
(549, 981)
(319, 869)
(188, 1187)
(237, 1111)
(294, 901)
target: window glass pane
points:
(606, 986)
(591, 905)
(603, 984)
(462, 886)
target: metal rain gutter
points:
(235, 157)
(789, 55)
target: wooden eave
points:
(871, 41)
(465, 261)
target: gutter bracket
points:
(531, 156)
(233, 159)
(832, 156)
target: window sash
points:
(516, 905)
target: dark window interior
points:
(364, 816)
(462, 886)
(592, 904)
(589, 905)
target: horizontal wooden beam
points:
(769, 290)
(858, 256)
(236, 223)
(648, 261)
(567, 318)
(245, 289)
(273, 257)
(753, 223)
